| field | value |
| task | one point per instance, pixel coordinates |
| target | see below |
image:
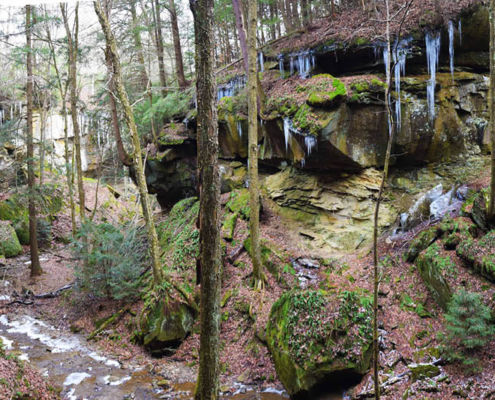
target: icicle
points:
(459, 28)
(310, 143)
(239, 128)
(262, 61)
(432, 57)
(291, 65)
(281, 64)
(399, 57)
(451, 48)
(287, 132)
(303, 162)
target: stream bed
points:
(84, 373)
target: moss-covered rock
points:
(239, 203)
(165, 324)
(423, 371)
(313, 336)
(479, 210)
(9, 243)
(479, 254)
(420, 243)
(433, 268)
(228, 226)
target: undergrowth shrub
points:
(112, 262)
(468, 329)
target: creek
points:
(83, 372)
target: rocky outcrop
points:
(315, 338)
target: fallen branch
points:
(55, 293)
(235, 253)
(114, 318)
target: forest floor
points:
(409, 332)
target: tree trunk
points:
(68, 164)
(139, 46)
(209, 182)
(254, 191)
(376, 278)
(138, 162)
(241, 32)
(157, 19)
(73, 50)
(179, 65)
(491, 206)
(305, 12)
(33, 239)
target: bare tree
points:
(72, 42)
(33, 239)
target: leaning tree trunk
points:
(137, 159)
(33, 239)
(209, 182)
(491, 207)
(254, 190)
(73, 50)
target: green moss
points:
(434, 268)
(360, 86)
(9, 243)
(420, 243)
(312, 335)
(479, 254)
(328, 97)
(228, 226)
(168, 141)
(239, 203)
(179, 236)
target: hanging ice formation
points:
(303, 62)
(239, 128)
(451, 48)
(432, 57)
(1, 116)
(399, 56)
(287, 132)
(280, 58)
(261, 61)
(310, 142)
(231, 87)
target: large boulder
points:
(165, 325)
(9, 243)
(479, 254)
(315, 337)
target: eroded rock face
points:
(315, 338)
(334, 210)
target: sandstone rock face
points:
(335, 211)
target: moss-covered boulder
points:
(420, 243)
(9, 243)
(479, 254)
(165, 325)
(479, 210)
(314, 336)
(434, 266)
